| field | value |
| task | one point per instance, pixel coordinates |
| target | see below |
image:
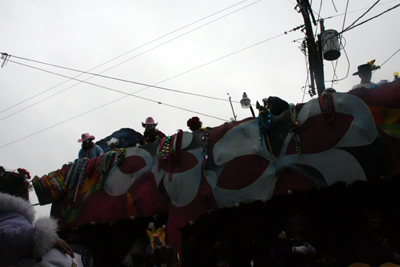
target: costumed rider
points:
(113, 143)
(365, 74)
(89, 149)
(25, 241)
(396, 76)
(151, 133)
(194, 124)
(275, 105)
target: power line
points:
(131, 58)
(190, 24)
(243, 49)
(369, 9)
(374, 17)
(163, 81)
(200, 66)
(107, 88)
(99, 108)
(357, 10)
(319, 16)
(100, 86)
(107, 77)
(86, 112)
(348, 64)
(334, 6)
(345, 14)
(390, 57)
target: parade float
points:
(331, 157)
(223, 194)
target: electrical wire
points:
(374, 17)
(108, 103)
(77, 116)
(357, 10)
(210, 62)
(334, 6)
(334, 81)
(107, 77)
(348, 65)
(369, 9)
(307, 82)
(390, 57)
(319, 16)
(352, 26)
(243, 49)
(87, 72)
(186, 72)
(345, 14)
(190, 24)
(100, 86)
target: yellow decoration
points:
(396, 74)
(160, 232)
(371, 63)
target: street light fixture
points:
(245, 102)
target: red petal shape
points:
(132, 164)
(215, 134)
(242, 172)
(318, 135)
(187, 162)
(146, 196)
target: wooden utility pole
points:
(314, 52)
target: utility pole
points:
(314, 49)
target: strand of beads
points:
(105, 165)
(327, 106)
(295, 127)
(75, 172)
(166, 150)
(160, 151)
(204, 144)
(75, 179)
(264, 121)
(121, 156)
(81, 176)
(70, 172)
(171, 152)
(179, 146)
(82, 173)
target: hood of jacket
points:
(9, 203)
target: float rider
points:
(194, 124)
(89, 149)
(365, 74)
(151, 133)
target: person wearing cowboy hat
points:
(365, 74)
(89, 149)
(151, 133)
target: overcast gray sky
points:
(210, 47)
